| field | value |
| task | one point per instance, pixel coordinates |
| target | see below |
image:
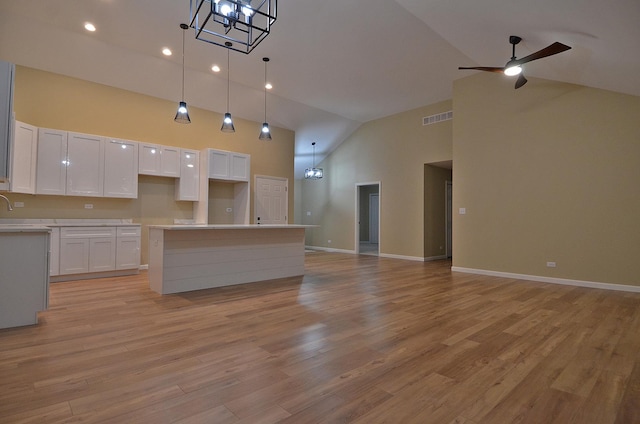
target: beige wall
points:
(549, 172)
(53, 101)
(392, 151)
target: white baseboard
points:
(329, 249)
(406, 258)
(382, 255)
(552, 280)
(143, 267)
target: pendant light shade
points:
(182, 115)
(227, 122)
(265, 133)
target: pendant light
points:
(227, 122)
(182, 115)
(265, 133)
(313, 173)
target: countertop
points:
(229, 227)
(24, 228)
(67, 223)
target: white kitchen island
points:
(194, 257)
(24, 273)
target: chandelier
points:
(244, 22)
(313, 173)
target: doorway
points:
(368, 218)
(449, 216)
(272, 201)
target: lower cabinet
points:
(128, 248)
(98, 249)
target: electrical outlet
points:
(18, 205)
(329, 241)
(229, 210)
(551, 264)
(88, 205)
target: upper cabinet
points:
(85, 165)
(75, 164)
(229, 166)
(187, 186)
(51, 173)
(120, 168)
(23, 158)
(159, 160)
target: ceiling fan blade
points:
(554, 48)
(520, 81)
(485, 68)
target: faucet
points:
(9, 208)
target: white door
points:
(271, 200)
(374, 217)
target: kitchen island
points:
(194, 257)
(24, 273)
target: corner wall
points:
(393, 151)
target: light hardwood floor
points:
(359, 339)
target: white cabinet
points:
(51, 165)
(69, 163)
(87, 249)
(128, 248)
(120, 168)
(85, 165)
(229, 166)
(54, 252)
(23, 158)
(187, 186)
(159, 160)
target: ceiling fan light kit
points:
(513, 66)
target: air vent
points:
(439, 117)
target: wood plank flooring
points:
(359, 339)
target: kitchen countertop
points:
(24, 228)
(67, 222)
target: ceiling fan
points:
(513, 65)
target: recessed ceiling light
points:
(166, 51)
(89, 26)
(215, 68)
(268, 86)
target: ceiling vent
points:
(439, 117)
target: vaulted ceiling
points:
(334, 64)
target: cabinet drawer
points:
(87, 232)
(128, 232)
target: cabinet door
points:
(149, 159)
(23, 158)
(170, 163)
(85, 166)
(102, 254)
(219, 164)
(74, 255)
(120, 168)
(128, 247)
(187, 186)
(239, 166)
(51, 165)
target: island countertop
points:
(227, 226)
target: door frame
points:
(357, 214)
